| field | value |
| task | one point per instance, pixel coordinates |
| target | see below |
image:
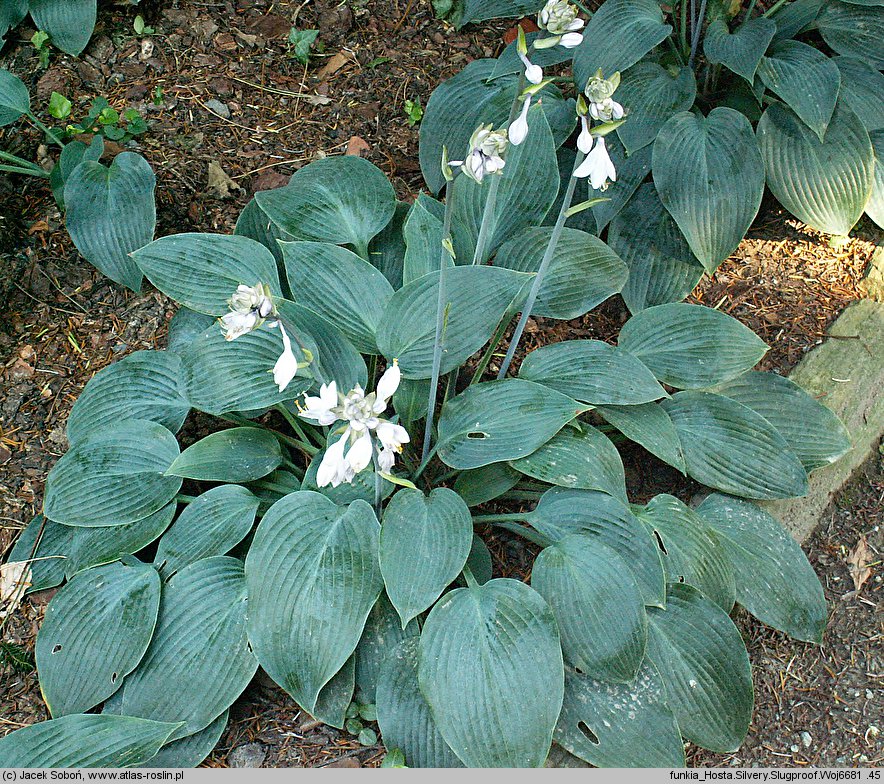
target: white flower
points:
(584, 140)
(334, 468)
(558, 17)
(286, 366)
(533, 73)
(249, 306)
(599, 92)
(392, 436)
(386, 460)
(518, 130)
(360, 453)
(237, 324)
(485, 155)
(320, 409)
(388, 383)
(606, 110)
(571, 40)
(598, 167)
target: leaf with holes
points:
(199, 660)
(705, 666)
(500, 420)
(774, 580)
(95, 632)
(436, 533)
(731, 448)
(240, 454)
(313, 577)
(114, 476)
(597, 604)
(710, 176)
(487, 654)
(622, 725)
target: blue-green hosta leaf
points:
(71, 156)
(631, 173)
(424, 544)
(110, 212)
(805, 79)
(742, 49)
(383, 632)
(500, 420)
(477, 297)
(577, 457)
(650, 426)
(255, 224)
(705, 668)
(562, 512)
(114, 476)
(336, 696)
(185, 327)
(862, 89)
(143, 385)
(387, 249)
(404, 716)
(487, 654)
(691, 346)
(854, 30)
(236, 375)
(479, 561)
(630, 725)
(69, 24)
(774, 580)
(731, 448)
(410, 401)
(662, 267)
(97, 546)
(480, 485)
(201, 271)
(239, 454)
(508, 61)
(692, 552)
(85, 741)
(825, 184)
(460, 104)
(653, 94)
(189, 752)
(213, 524)
(811, 430)
(341, 287)
(592, 372)
(582, 273)
(11, 13)
(343, 200)
(875, 204)
(47, 545)
(479, 10)
(199, 659)
(14, 98)
(597, 604)
(423, 239)
(362, 487)
(96, 630)
(617, 36)
(313, 576)
(796, 17)
(709, 174)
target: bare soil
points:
(63, 321)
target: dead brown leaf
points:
(357, 146)
(334, 64)
(859, 561)
(220, 183)
(15, 579)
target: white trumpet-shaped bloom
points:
(366, 435)
(518, 130)
(286, 367)
(598, 167)
(249, 307)
(584, 140)
(485, 154)
(606, 110)
(533, 72)
(559, 19)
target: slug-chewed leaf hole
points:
(660, 543)
(590, 735)
(477, 435)
(56, 648)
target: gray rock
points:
(249, 755)
(219, 108)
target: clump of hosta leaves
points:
(331, 527)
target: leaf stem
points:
(526, 533)
(181, 498)
(468, 575)
(425, 462)
(696, 38)
(492, 347)
(22, 170)
(774, 8)
(48, 131)
(296, 426)
(541, 270)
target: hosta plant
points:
(325, 516)
(724, 99)
(109, 210)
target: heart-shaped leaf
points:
(114, 476)
(85, 741)
(662, 267)
(862, 89)
(592, 372)
(825, 184)
(731, 448)
(313, 576)
(774, 580)
(14, 98)
(853, 29)
(705, 666)
(631, 173)
(489, 653)
(202, 271)
(199, 659)
(143, 385)
(240, 454)
(597, 604)
(627, 725)
(500, 420)
(213, 524)
(682, 344)
(116, 605)
(650, 426)
(344, 200)
(69, 24)
(111, 213)
(255, 224)
(742, 49)
(582, 272)
(436, 532)
(710, 176)
(383, 632)
(618, 35)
